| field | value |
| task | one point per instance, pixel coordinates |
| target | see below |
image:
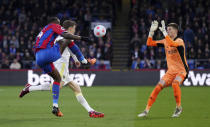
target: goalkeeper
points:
(176, 62)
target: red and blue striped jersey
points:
(46, 37)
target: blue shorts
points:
(46, 57)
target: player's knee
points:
(75, 87)
(77, 90)
(57, 79)
(175, 82)
(178, 80)
(162, 84)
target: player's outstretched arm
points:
(153, 28)
(75, 37)
(61, 31)
(151, 42)
(70, 36)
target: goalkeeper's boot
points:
(143, 114)
(95, 114)
(177, 112)
(24, 91)
(57, 112)
(92, 61)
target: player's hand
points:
(77, 63)
(87, 39)
(163, 28)
(84, 61)
(153, 28)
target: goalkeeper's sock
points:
(55, 92)
(83, 102)
(39, 87)
(153, 96)
(177, 93)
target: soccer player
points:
(46, 53)
(62, 66)
(176, 62)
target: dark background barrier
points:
(102, 78)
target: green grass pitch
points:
(120, 105)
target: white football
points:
(99, 31)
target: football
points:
(99, 31)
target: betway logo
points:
(194, 79)
(80, 79)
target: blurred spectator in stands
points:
(27, 60)
(136, 64)
(14, 42)
(192, 54)
(102, 65)
(135, 41)
(5, 64)
(99, 54)
(15, 65)
(136, 53)
(12, 49)
(188, 35)
(135, 27)
(92, 48)
(107, 52)
(1, 53)
(159, 64)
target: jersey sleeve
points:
(73, 55)
(58, 38)
(151, 42)
(75, 49)
(176, 43)
(58, 29)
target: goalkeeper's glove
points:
(153, 28)
(163, 28)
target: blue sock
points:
(75, 49)
(55, 92)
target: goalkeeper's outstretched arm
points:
(150, 41)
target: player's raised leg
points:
(29, 88)
(152, 98)
(80, 98)
(164, 82)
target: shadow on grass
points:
(8, 121)
(156, 118)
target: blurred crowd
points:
(22, 20)
(193, 18)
